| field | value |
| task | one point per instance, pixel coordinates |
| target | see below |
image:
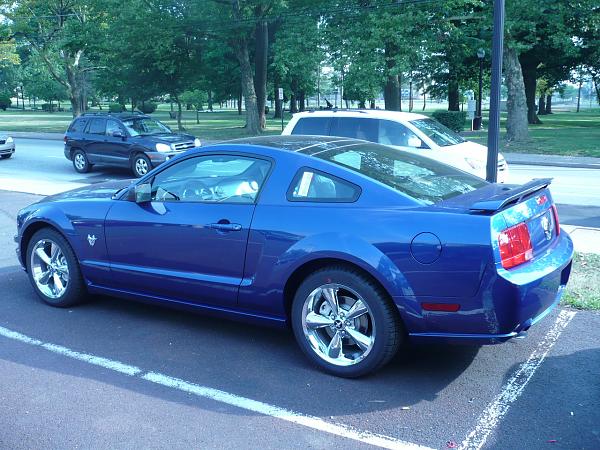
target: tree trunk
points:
(261, 52)
(516, 106)
(239, 102)
(453, 95)
(578, 94)
(391, 93)
(542, 105)
(293, 97)
(424, 99)
(549, 104)
(530, 82)
(210, 100)
(410, 94)
(302, 101)
(179, 125)
(372, 104)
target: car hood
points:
(167, 138)
(473, 150)
(98, 191)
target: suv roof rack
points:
(360, 110)
(119, 114)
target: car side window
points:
(313, 126)
(310, 185)
(77, 126)
(394, 133)
(355, 127)
(96, 126)
(212, 179)
(112, 126)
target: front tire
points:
(140, 165)
(345, 323)
(54, 270)
(81, 162)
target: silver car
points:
(7, 146)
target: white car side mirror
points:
(415, 142)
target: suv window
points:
(394, 133)
(97, 126)
(112, 126)
(355, 127)
(310, 185)
(78, 126)
(315, 126)
(213, 178)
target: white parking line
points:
(313, 422)
(497, 409)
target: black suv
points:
(129, 140)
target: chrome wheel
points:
(79, 161)
(49, 268)
(141, 166)
(338, 324)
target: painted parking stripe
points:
(266, 409)
(497, 409)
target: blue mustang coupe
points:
(359, 247)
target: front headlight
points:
(197, 142)
(475, 163)
(9, 139)
(160, 147)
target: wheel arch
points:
(28, 233)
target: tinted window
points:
(312, 185)
(112, 126)
(145, 126)
(215, 178)
(437, 132)
(97, 126)
(421, 178)
(355, 127)
(316, 126)
(78, 126)
(394, 133)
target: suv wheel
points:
(140, 165)
(80, 162)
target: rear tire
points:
(53, 269)
(361, 337)
(140, 165)
(81, 162)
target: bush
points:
(147, 107)
(455, 120)
(115, 108)
(48, 107)
(5, 102)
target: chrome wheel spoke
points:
(330, 295)
(43, 277)
(363, 341)
(58, 284)
(41, 253)
(334, 350)
(314, 321)
(357, 310)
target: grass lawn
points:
(583, 289)
(561, 133)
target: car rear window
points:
(315, 126)
(77, 126)
(420, 178)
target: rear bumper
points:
(508, 302)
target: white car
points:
(7, 146)
(411, 132)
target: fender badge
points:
(92, 239)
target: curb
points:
(575, 162)
(34, 135)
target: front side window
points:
(312, 126)
(356, 127)
(112, 126)
(310, 185)
(438, 133)
(145, 126)
(394, 133)
(213, 179)
(420, 178)
(97, 126)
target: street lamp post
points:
(480, 56)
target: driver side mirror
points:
(143, 193)
(415, 142)
(119, 134)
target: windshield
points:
(438, 133)
(145, 126)
(421, 178)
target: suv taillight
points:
(65, 138)
(556, 223)
(515, 246)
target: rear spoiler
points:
(513, 195)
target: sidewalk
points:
(585, 240)
(531, 159)
(35, 135)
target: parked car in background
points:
(7, 146)
(411, 132)
(129, 140)
(358, 246)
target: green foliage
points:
(195, 98)
(5, 101)
(115, 108)
(455, 120)
(48, 107)
(147, 107)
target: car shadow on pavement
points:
(263, 364)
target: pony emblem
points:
(92, 239)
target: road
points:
(39, 166)
(118, 374)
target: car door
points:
(355, 127)
(94, 143)
(189, 242)
(117, 147)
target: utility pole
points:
(494, 122)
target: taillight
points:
(515, 246)
(556, 222)
(65, 139)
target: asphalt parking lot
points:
(199, 379)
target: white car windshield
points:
(144, 126)
(438, 133)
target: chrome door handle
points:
(226, 226)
